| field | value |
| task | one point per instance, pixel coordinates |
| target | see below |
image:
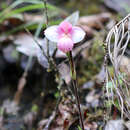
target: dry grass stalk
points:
(117, 85)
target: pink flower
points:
(65, 35)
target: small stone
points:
(95, 103)
(115, 125)
(88, 85)
(127, 124)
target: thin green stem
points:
(46, 14)
(47, 21)
(75, 86)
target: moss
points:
(93, 8)
(91, 66)
(84, 6)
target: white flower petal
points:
(78, 34)
(65, 44)
(51, 33)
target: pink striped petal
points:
(65, 44)
(52, 33)
(78, 34)
(65, 27)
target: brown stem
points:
(114, 113)
(20, 87)
(75, 86)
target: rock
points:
(93, 99)
(122, 6)
(88, 85)
(10, 107)
(10, 54)
(127, 124)
(95, 103)
(125, 66)
(100, 77)
(115, 125)
(29, 118)
(110, 24)
(13, 122)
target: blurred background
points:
(29, 91)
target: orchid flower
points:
(65, 35)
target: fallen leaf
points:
(29, 46)
(94, 21)
(26, 44)
(64, 71)
(10, 107)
